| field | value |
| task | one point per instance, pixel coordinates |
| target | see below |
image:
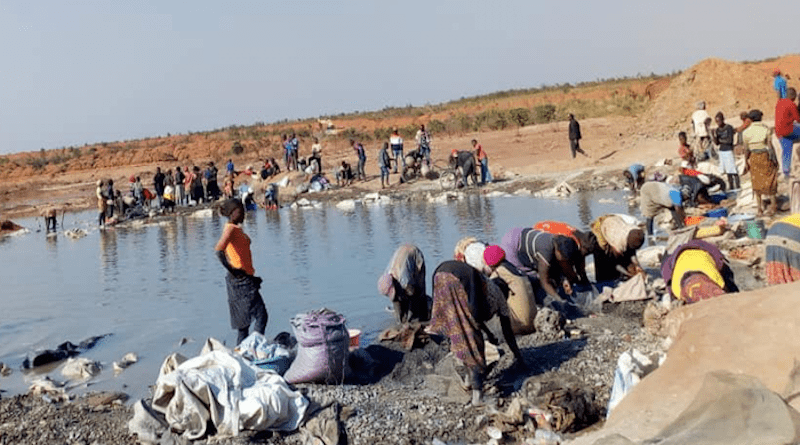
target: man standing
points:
(480, 153)
(158, 184)
(786, 127)
(396, 142)
(179, 179)
(423, 139)
(723, 137)
(780, 84)
(575, 136)
(700, 122)
(362, 159)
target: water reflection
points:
(585, 208)
(108, 257)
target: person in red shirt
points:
(786, 127)
(480, 153)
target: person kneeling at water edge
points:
(463, 301)
(233, 250)
(404, 283)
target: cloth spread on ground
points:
(699, 286)
(453, 317)
(783, 251)
(221, 387)
(63, 351)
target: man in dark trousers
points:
(575, 136)
(158, 184)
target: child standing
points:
(685, 152)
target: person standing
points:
(233, 251)
(700, 122)
(316, 154)
(761, 160)
(384, 161)
(483, 159)
(423, 140)
(396, 142)
(229, 166)
(212, 186)
(158, 184)
(180, 177)
(779, 84)
(287, 153)
(723, 137)
(362, 159)
(101, 203)
(295, 143)
(575, 136)
(787, 128)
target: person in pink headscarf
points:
(516, 287)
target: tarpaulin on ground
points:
(223, 388)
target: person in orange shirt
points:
(233, 250)
(480, 154)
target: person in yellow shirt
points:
(696, 271)
(233, 250)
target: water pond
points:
(150, 285)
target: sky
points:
(86, 71)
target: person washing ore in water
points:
(463, 301)
(233, 250)
(404, 283)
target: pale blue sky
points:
(87, 71)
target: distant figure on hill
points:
(779, 84)
(723, 137)
(396, 142)
(483, 159)
(700, 122)
(787, 127)
(575, 136)
(423, 139)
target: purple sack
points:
(322, 348)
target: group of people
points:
(531, 266)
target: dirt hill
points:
(730, 87)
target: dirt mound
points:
(730, 87)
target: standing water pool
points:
(151, 285)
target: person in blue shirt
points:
(780, 84)
(229, 167)
(634, 176)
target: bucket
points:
(755, 229)
(355, 338)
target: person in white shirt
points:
(700, 121)
(396, 143)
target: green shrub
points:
(382, 133)
(544, 113)
(520, 116)
(436, 126)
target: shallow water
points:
(153, 284)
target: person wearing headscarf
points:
(762, 161)
(696, 271)
(233, 251)
(555, 258)
(463, 301)
(516, 287)
(470, 250)
(618, 239)
(403, 282)
(783, 250)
